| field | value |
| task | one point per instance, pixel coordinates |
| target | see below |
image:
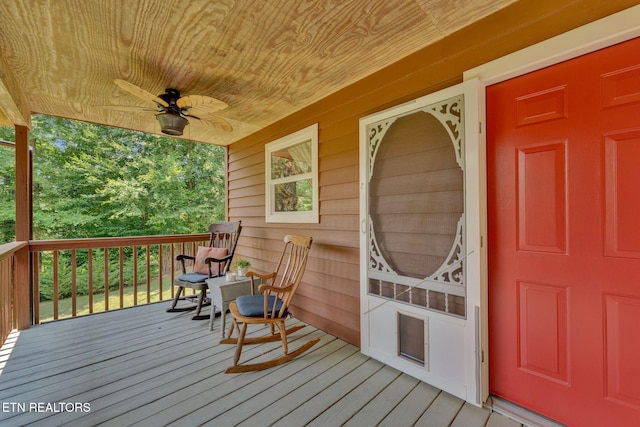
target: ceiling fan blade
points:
(200, 104)
(140, 93)
(130, 108)
(214, 122)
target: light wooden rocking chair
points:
(271, 306)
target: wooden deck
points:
(143, 366)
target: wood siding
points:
(329, 295)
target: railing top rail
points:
(9, 144)
(112, 242)
(8, 249)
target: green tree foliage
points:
(96, 181)
(293, 195)
(7, 188)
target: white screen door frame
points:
(453, 354)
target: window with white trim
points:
(292, 177)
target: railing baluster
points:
(121, 275)
(6, 282)
(194, 252)
(90, 278)
(148, 249)
(55, 285)
(135, 275)
(36, 287)
(74, 284)
(106, 279)
(160, 271)
(173, 268)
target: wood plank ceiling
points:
(265, 58)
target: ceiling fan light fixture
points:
(171, 123)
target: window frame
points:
(309, 133)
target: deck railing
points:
(7, 287)
(82, 276)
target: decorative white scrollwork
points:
(451, 271)
(376, 133)
(376, 259)
(449, 113)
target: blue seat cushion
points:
(193, 277)
(253, 305)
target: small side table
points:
(223, 292)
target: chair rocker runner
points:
(271, 307)
(211, 261)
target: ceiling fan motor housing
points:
(171, 123)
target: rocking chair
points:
(211, 261)
(271, 307)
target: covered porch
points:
(144, 366)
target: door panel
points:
(541, 198)
(563, 173)
(622, 181)
(543, 324)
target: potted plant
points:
(242, 266)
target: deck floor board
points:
(142, 366)
(384, 402)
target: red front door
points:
(563, 159)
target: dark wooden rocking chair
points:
(271, 306)
(211, 261)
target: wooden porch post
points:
(22, 291)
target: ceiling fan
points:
(173, 110)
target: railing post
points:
(22, 289)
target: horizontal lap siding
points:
(329, 295)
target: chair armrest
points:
(252, 275)
(275, 289)
(181, 258)
(210, 260)
(261, 276)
